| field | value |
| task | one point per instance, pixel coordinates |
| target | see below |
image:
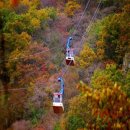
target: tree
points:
(107, 77)
(29, 66)
(16, 31)
(109, 107)
(116, 42)
(22, 63)
(71, 8)
(86, 57)
(111, 35)
(75, 118)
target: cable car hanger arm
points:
(68, 44)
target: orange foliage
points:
(109, 106)
(1, 4)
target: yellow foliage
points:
(118, 126)
(25, 2)
(35, 23)
(25, 37)
(42, 14)
(31, 88)
(100, 49)
(100, 53)
(86, 57)
(14, 55)
(33, 4)
(71, 8)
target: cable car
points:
(70, 57)
(57, 103)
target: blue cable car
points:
(58, 106)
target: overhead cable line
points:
(95, 14)
(90, 23)
(78, 24)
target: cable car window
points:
(56, 99)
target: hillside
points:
(96, 90)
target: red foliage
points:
(14, 3)
(109, 61)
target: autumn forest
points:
(33, 52)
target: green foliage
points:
(35, 114)
(126, 84)
(101, 79)
(107, 77)
(95, 31)
(111, 36)
(75, 122)
(116, 38)
(30, 21)
(78, 104)
(52, 13)
(57, 126)
(116, 75)
(106, 3)
(58, 55)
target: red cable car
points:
(70, 57)
(57, 103)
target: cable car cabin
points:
(70, 57)
(57, 103)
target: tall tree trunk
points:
(3, 70)
(4, 78)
